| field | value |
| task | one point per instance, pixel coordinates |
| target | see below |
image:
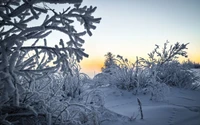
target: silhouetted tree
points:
(110, 62)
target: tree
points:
(110, 61)
(35, 61)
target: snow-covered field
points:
(179, 107)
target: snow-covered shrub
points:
(158, 90)
(50, 101)
(117, 71)
(95, 97)
(28, 64)
(160, 70)
(142, 80)
(197, 65)
(123, 74)
(75, 83)
(17, 58)
(108, 70)
(161, 56)
(168, 70)
(175, 74)
(189, 64)
(124, 78)
(101, 79)
(147, 83)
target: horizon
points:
(131, 28)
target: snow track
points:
(172, 117)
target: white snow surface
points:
(180, 107)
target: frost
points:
(28, 84)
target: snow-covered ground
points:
(180, 107)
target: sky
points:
(131, 28)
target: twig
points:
(140, 108)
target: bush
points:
(36, 77)
(168, 70)
(55, 99)
(155, 74)
(124, 74)
(190, 64)
(175, 74)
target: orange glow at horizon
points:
(195, 57)
(92, 66)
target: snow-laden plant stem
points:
(140, 108)
(26, 58)
(164, 67)
(17, 59)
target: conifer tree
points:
(110, 61)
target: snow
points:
(180, 107)
(28, 86)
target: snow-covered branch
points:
(32, 62)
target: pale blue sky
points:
(132, 27)
(141, 22)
